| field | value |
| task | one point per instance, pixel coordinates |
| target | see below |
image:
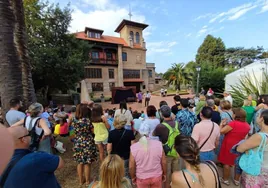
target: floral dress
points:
(85, 151)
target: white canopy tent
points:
(257, 68)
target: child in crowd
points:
(64, 128)
(57, 128)
(101, 128)
(111, 119)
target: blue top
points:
(187, 121)
(33, 170)
(111, 123)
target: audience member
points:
(151, 122)
(228, 97)
(250, 110)
(175, 108)
(158, 113)
(120, 140)
(14, 115)
(216, 116)
(112, 174)
(206, 134)
(200, 104)
(29, 169)
(101, 128)
(147, 163)
(196, 174)
(123, 110)
(167, 131)
(147, 98)
(111, 119)
(234, 132)
(186, 119)
(85, 151)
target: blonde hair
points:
(202, 97)
(35, 109)
(112, 172)
(120, 121)
(247, 102)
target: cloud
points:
(205, 26)
(159, 47)
(106, 19)
(237, 12)
(241, 13)
(203, 16)
(265, 7)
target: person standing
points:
(29, 169)
(101, 127)
(234, 132)
(147, 98)
(140, 97)
(14, 115)
(85, 151)
(210, 92)
(186, 119)
(120, 140)
(123, 110)
(177, 106)
(250, 110)
(207, 135)
(228, 97)
(216, 116)
(167, 131)
(147, 163)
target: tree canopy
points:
(212, 50)
(57, 58)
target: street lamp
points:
(198, 69)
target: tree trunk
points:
(15, 70)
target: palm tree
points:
(15, 69)
(178, 75)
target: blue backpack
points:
(251, 162)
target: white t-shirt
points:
(27, 125)
(151, 124)
(229, 98)
(127, 113)
(148, 95)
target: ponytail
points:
(144, 142)
(200, 177)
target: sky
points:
(177, 27)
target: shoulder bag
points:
(208, 137)
(251, 162)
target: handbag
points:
(251, 162)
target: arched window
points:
(137, 38)
(131, 35)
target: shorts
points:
(105, 142)
(208, 156)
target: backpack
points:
(35, 138)
(169, 145)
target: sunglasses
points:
(29, 134)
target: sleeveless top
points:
(38, 130)
(100, 131)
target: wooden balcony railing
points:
(103, 61)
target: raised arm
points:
(44, 126)
(19, 123)
(104, 119)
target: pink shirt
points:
(148, 163)
(64, 128)
(201, 132)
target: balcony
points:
(105, 62)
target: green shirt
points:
(250, 113)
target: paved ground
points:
(68, 176)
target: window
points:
(137, 38)
(109, 56)
(93, 73)
(150, 72)
(93, 35)
(95, 55)
(124, 56)
(111, 73)
(131, 35)
(131, 73)
(111, 85)
(97, 86)
(156, 82)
